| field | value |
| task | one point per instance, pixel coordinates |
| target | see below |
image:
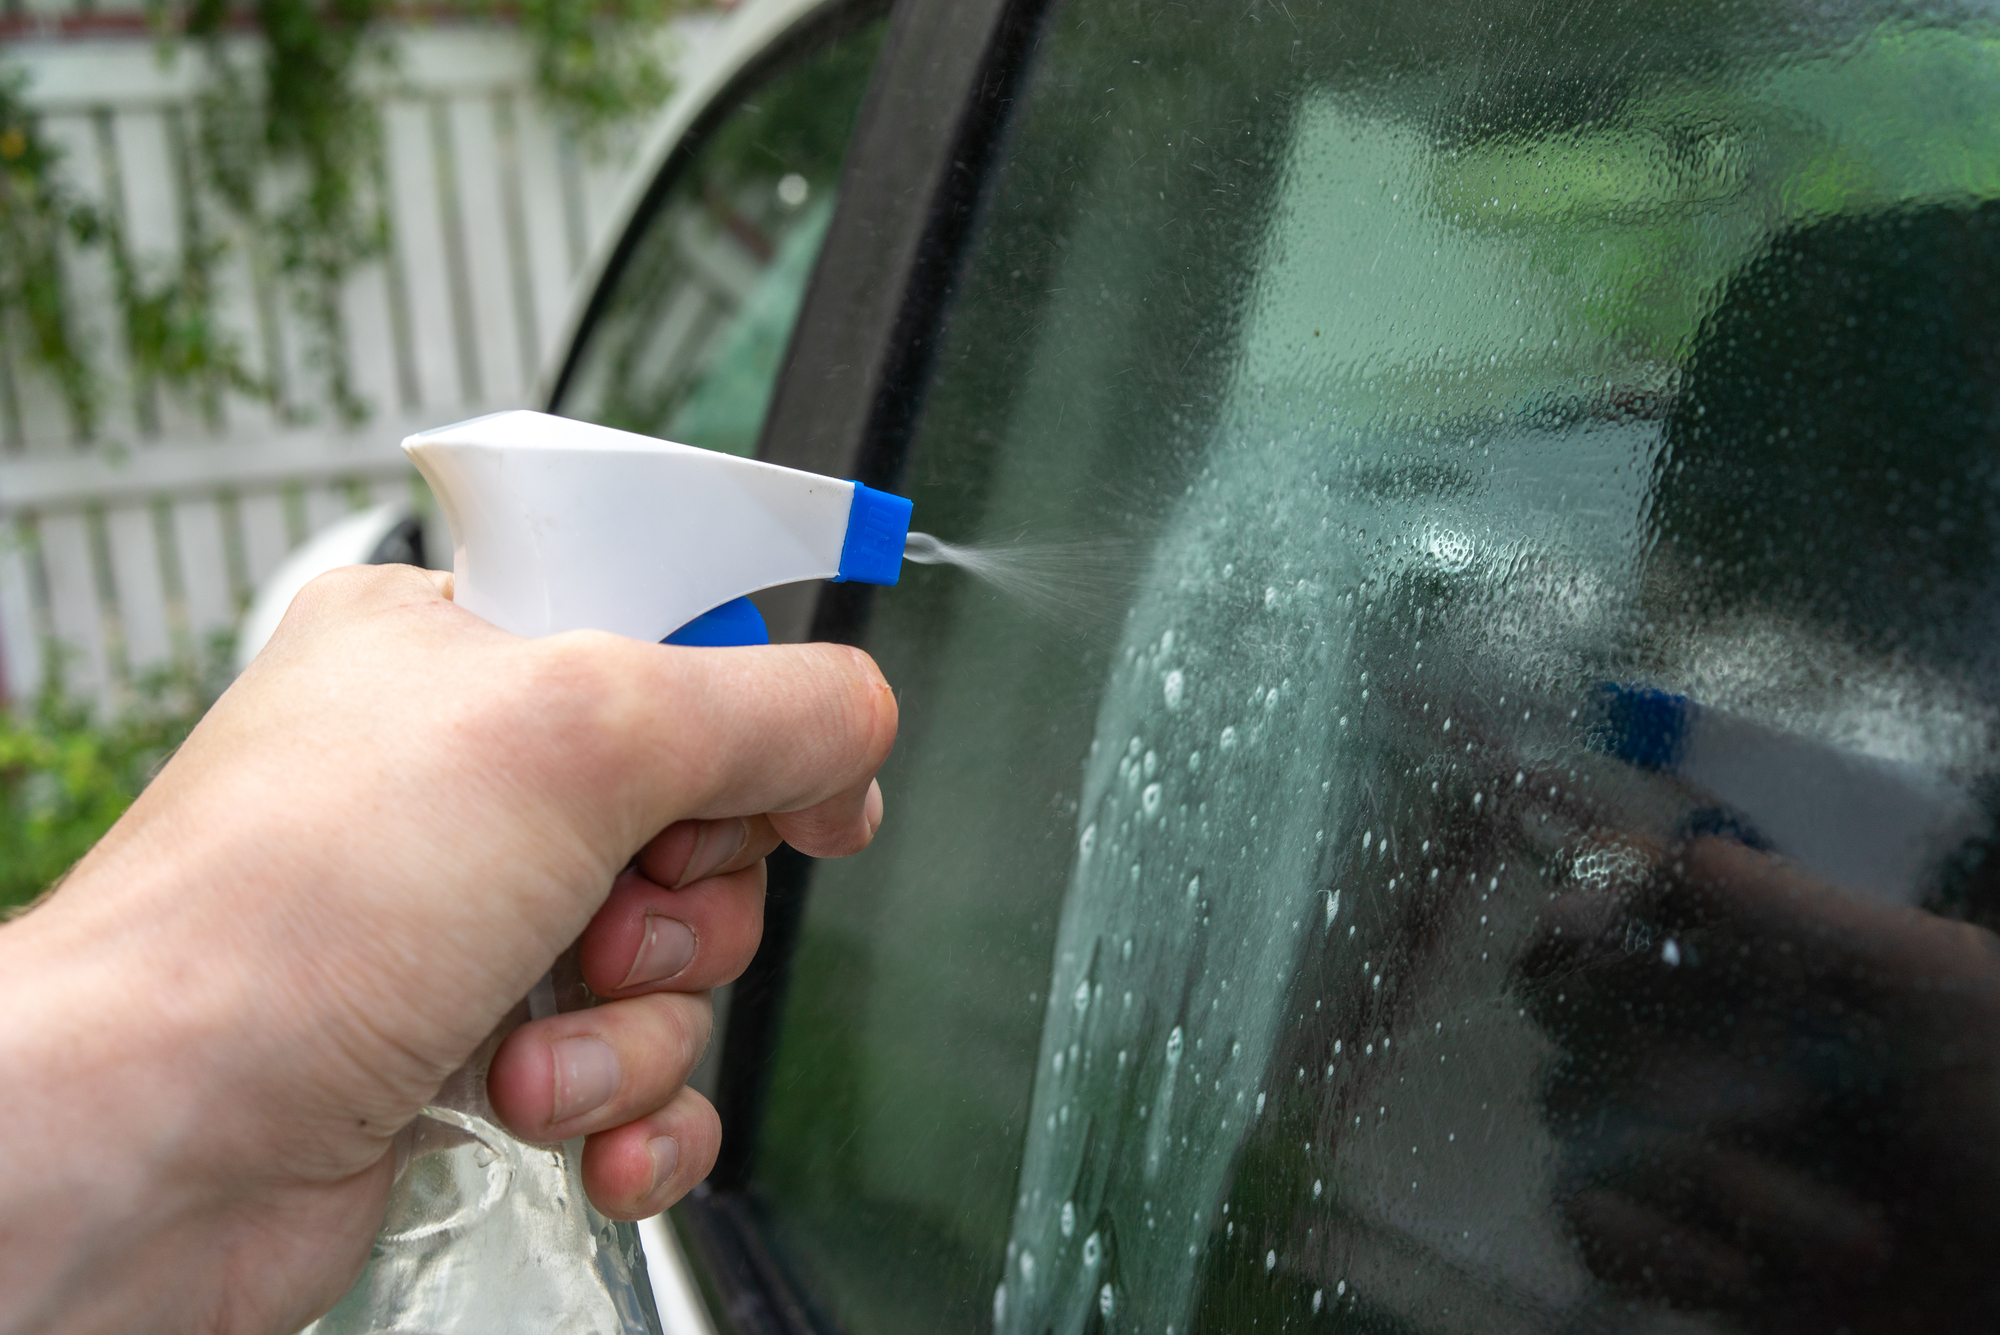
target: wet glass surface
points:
(695, 325)
(1510, 851)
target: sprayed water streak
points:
(1083, 584)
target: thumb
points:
(797, 730)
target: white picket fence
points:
(131, 551)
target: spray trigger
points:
(735, 622)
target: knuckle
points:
(576, 668)
(865, 707)
(329, 592)
(570, 687)
(612, 687)
(679, 1027)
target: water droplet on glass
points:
(1319, 1299)
(1149, 801)
(1228, 739)
(1093, 1251)
(1174, 687)
(1270, 1261)
(1104, 1303)
(1174, 1047)
(1068, 1218)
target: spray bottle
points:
(1877, 826)
(559, 525)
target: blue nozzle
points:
(1642, 726)
(878, 527)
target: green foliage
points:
(65, 775)
(171, 333)
(36, 214)
(167, 311)
(599, 61)
(288, 150)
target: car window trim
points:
(928, 129)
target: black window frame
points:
(849, 394)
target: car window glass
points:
(693, 325)
(1475, 812)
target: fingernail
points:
(665, 1154)
(666, 949)
(586, 1076)
(719, 841)
(871, 810)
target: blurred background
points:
(245, 249)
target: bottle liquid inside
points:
(489, 1235)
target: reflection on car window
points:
(1518, 856)
(695, 323)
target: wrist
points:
(98, 1115)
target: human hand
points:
(360, 861)
(1776, 1097)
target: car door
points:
(1462, 800)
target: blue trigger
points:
(735, 622)
(1642, 726)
